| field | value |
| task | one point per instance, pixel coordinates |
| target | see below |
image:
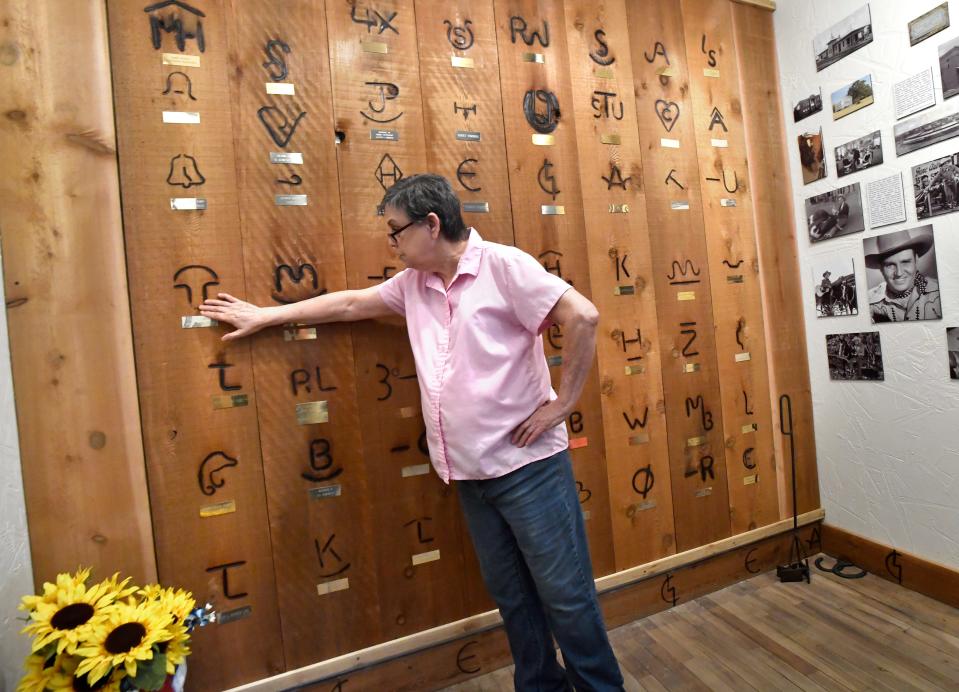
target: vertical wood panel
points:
(67, 305)
(527, 29)
(731, 243)
(292, 253)
(680, 265)
(197, 456)
(637, 464)
(413, 514)
(778, 251)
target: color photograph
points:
(843, 38)
(852, 97)
(811, 156)
(902, 276)
(835, 213)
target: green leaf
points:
(151, 674)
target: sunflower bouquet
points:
(112, 636)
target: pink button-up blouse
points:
(479, 357)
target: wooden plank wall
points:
(288, 474)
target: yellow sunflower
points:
(54, 672)
(124, 635)
(178, 602)
(66, 614)
(177, 648)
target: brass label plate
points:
(417, 470)
(291, 157)
(476, 207)
(181, 60)
(604, 73)
(641, 439)
(197, 322)
(534, 57)
(543, 140)
(422, 558)
(750, 428)
(711, 72)
(329, 587)
(686, 295)
(691, 367)
(743, 357)
(290, 200)
(324, 491)
(457, 61)
(221, 401)
(312, 412)
(749, 480)
(668, 143)
(719, 143)
(618, 208)
(281, 89)
(696, 441)
(552, 209)
(218, 509)
(374, 47)
(610, 139)
(679, 205)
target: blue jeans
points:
(528, 531)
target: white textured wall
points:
(16, 577)
(888, 452)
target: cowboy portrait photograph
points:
(902, 276)
(834, 282)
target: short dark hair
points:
(420, 194)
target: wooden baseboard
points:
(928, 578)
(477, 645)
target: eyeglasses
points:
(392, 236)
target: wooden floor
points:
(760, 634)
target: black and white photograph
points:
(808, 106)
(949, 67)
(852, 97)
(856, 356)
(835, 213)
(835, 287)
(859, 154)
(952, 347)
(929, 24)
(843, 38)
(935, 185)
(902, 276)
(811, 156)
(925, 130)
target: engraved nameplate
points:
(605, 73)
(552, 210)
(710, 72)
(181, 117)
(417, 470)
(329, 587)
(577, 442)
(312, 412)
(286, 157)
(750, 428)
(466, 136)
(374, 47)
(634, 369)
(743, 357)
(696, 441)
(457, 61)
(734, 278)
(666, 71)
(187, 204)
(639, 507)
(218, 509)
(221, 401)
(196, 322)
(610, 139)
(421, 558)
(640, 439)
(678, 205)
(476, 207)
(324, 491)
(691, 367)
(280, 89)
(181, 60)
(290, 200)
(229, 616)
(669, 143)
(299, 334)
(719, 143)
(686, 295)
(554, 360)
(407, 412)
(749, 480)
(383, 135)
(704, 492)
(618, 208)
(534, 57)
(624, 291)
(543, 140)
(726, 202)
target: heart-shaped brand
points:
(668, 112)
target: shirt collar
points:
(469, 262)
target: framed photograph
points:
(843, 38)
(811, 156)
(902, 276)
(924, 130)
(952, 347)
(935, 185)
(929, 24)
(949, 67)
(859, 154)
(856, 356)
(808, 106)
(852, 97)
(835, 287)
(835, 213)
